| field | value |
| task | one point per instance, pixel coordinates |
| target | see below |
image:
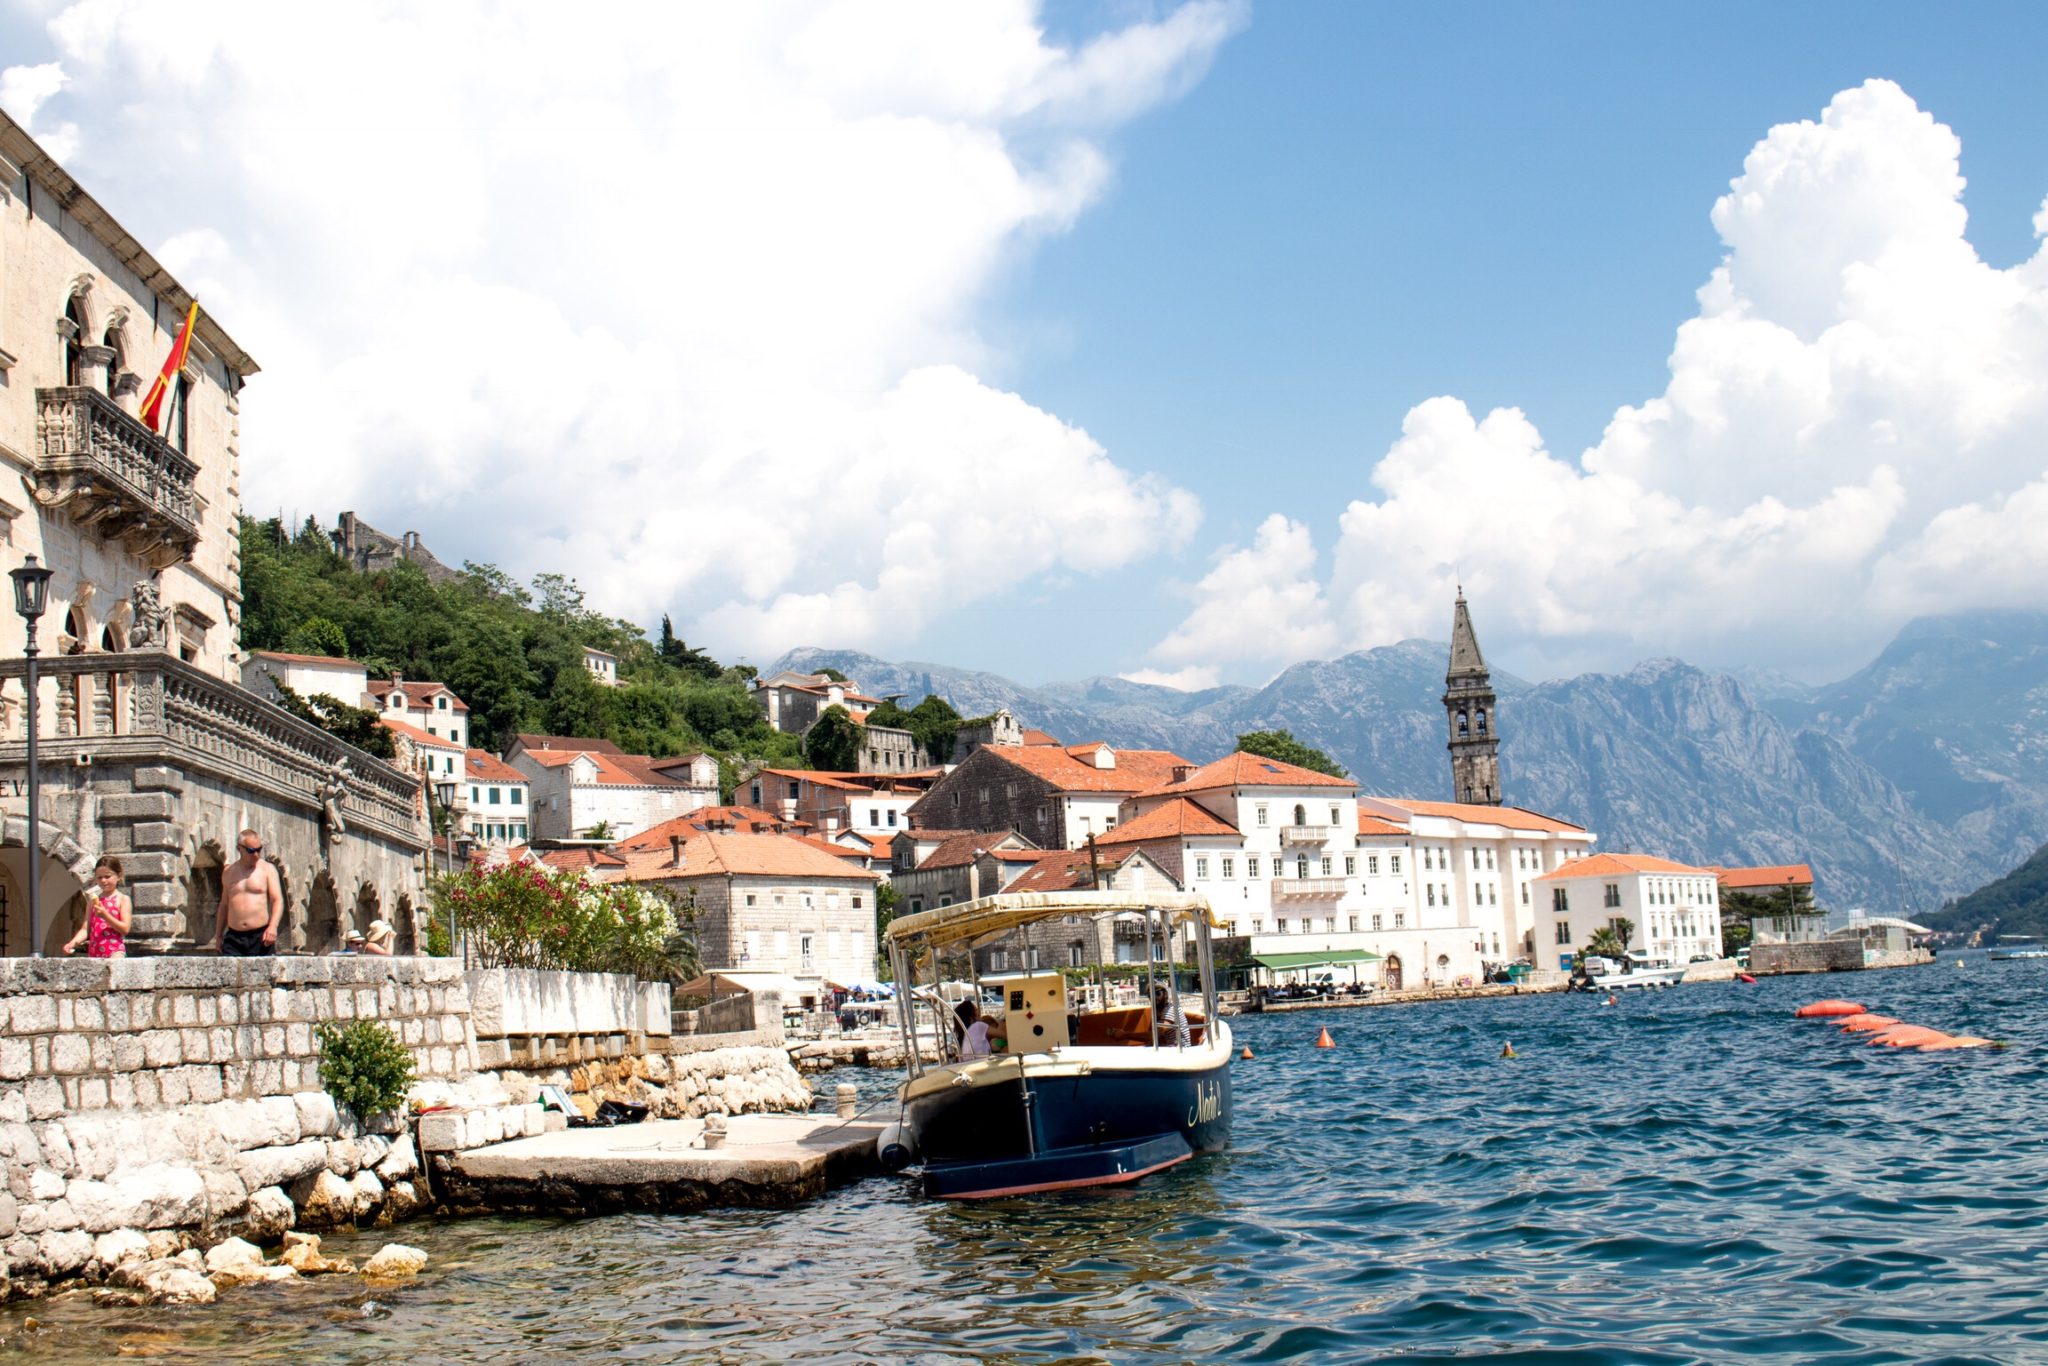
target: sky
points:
(1177, 341)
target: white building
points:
(603, 666)
(431, 707)
(832, 803)
(1410, 892)
(498, 802)
(1673, 910)
(576, 790)
(309, 676)
(435, 758)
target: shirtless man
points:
(251, 903)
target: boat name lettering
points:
(1208, 1104)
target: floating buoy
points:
(1821, 1010)
(1908, 1036)
(1866, 1023)
(1745, 977)
(1956, 1041)
(1323, 1040)
(1247, 1054)
(1507, 1050)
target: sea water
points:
(1687, 1176)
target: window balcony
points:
(115, 476)
(1306, 888)
(1305, 834)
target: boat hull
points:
(1064, 1127)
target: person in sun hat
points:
(380, 938)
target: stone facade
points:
(988, 793)
(1470, 710)
(369, 550)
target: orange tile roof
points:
(1509, 817)
(840, 851)
(1136, 769)
(581, 857)
(821, 778)
(1618, 865)
(1057, 870)
(1038, 737)
(961, 850)
(1373, 825)
(1784, 875)
(612, 770)
(417, 695)
(1177, 819)
(487, 767)
(303, 659)
(571, 743)
(745, 820)
(418, 736)
(719, 854)
(1248, 770)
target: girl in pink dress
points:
(108, 917)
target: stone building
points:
(369, 550)
(1470, 712)
(152, 748)
(1056, 796)
(999, 728)
(793, 702)
(871, 803)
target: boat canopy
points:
(1329, 958)
(994, 914)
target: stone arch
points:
(74, 325)
(405, 920)
(323, 915)
(76, 636)
(1300, 814)
(65, 872)
(368, 906)
(195, 924)
(1390, 972)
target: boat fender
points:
(895, 1147)
(1821, 1010)
(1323, 1040)
(1745, 977)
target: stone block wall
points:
(1826, 955)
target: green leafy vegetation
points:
(357, 725)
(363, 1066)
(2015, 904)
(1281, 745)
(521, 915)
(833, 741)
(514, 653)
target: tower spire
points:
(1469, 709)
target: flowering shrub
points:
(524, 915)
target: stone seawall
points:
(152, 1104)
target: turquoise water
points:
(1690, 1176)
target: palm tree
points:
(1605, 943)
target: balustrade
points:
(1305, 834)
(1302, 887)
(113, 474)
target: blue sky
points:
(1176, 340)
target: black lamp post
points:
(444, 792)
(31, 597)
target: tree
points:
(933, 722)
(1625, 931)
(317, 636)
(833, 741)
(889, 714)
(1605, 943)
(601, 831)
(1281, 745)
(887, 899)
(358, 726)
(833, 674)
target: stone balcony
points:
(1305, 834)
(1306, 888)
(114, 475)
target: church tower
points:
(1468, 703)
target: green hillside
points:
(2015, 904)
(514, 653)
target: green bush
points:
(527, 915)
(364, 1067)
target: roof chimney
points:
(1181, 772)
(675, 851)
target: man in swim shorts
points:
(251, 903)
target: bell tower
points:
(1468, 704)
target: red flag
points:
(152, 407)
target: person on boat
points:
(980, 1035)
(1173, 1021)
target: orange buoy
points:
(1745, 977)
(1323, 1040)
(1908, 1036)
(1821, 1010)
(1957, 1041)
(1247, 1054)
(1866, 1023)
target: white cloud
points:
(1855, 430)
(680, 300)
(1194, 678)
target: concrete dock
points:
(767, 1160)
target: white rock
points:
(344, 1156)
(165, 1282)
(65, 1252)
(44, 1184)
(324, 1199)
(369, 1192)
(402, 1161)
(281, 1166)
(394, 1260)
(317, 1115)
(270, 1213)
(233, 1261)
(120, 1245)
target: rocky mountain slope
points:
(1906, 785)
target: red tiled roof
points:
(1617, 865)
(840, 851)
(961, 850)
(1248, 770)
(418, 736)
(819, 777)
(489, 768)
(1784, 875)
(1177, 819)
(612, 770)
(581, 857)
(1057, 870)
(571, 743)
(718, 854)
(1033, 736)
(417, 695)
(745, 820)
(1510, 817)
(1373, 825)
(1136, 769)
(303, 659)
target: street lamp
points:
(444, 792)
(31, 597)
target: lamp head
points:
(445, 794)
(31, 588)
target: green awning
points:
(1328, 958)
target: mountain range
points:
(1906, 785)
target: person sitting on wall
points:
(380, 938)
(351, 945)
(251, 903)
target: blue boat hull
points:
(1060, 1132)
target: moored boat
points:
(1081, 1092)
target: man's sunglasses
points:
(252, 848)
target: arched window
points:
(177, 428)
(1464, 725)
(1482, 720)
(74, 341)
(119, 362)
(1301, 815)
(1301, 867)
